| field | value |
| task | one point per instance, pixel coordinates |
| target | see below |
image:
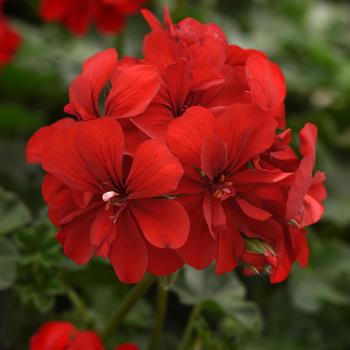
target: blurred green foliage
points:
(310, 39)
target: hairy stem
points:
(162, 303)
(126, 305)
(186, 338)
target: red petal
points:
(128, 253)
(162, 50)
(230, 246)
(151, 20)
(52, 335)
(200, 248)
(109, 19)
(87, 340)
(267, 83)
(53, 9)
(186, 134)
(36, 144)
(86, 155)
(155, 120)
(214, 214)
(253, 211)
(255, 176)
(127, 346)
(85, 90)
(213, 156)
(163, 261)
(312, 212)
(154, 171)
(247, 130)
(102, 227)
(132, 91)
(164, 222)
(75, 238)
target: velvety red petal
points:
(163, 261)
(164, 223)
(155, 120)
(230, 245)
(213, 156)
(255, 176)
(86, 155)
(312, 212)
(85, 90)
(214, 214)
(128, 254)
(252, 211)
(200, 248)
(36, 144)
(247, 130)
(267, 83)
(186, 134)
(161, 49)
(132, 91)
(75, 238)
(102, 227)
(154, 171)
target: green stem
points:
(126, 305)
(186, 338)
(162, 303)
(79, 305)
(119, 44)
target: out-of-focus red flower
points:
(112, 205)
(78, 15)
(9, 39)
(57, 335)
(127, 346)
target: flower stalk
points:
(161, 307)
(186, 338)
(126, 305)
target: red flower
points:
(127, 346)
(199, 68)
(64, 336)
(249, 196)
(128, 87)
(108, 204)
(215, 153)
(9, 40)
(77, 15)
(300, 206)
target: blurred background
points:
(310, 40)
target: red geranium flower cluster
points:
(9, 39)
(56, 335)
(77, 15)
(177, 158)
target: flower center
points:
(220, 188)
(114, 199)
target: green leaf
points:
(13, 212)
(326, 279)
(226, 292)
(8, 258)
